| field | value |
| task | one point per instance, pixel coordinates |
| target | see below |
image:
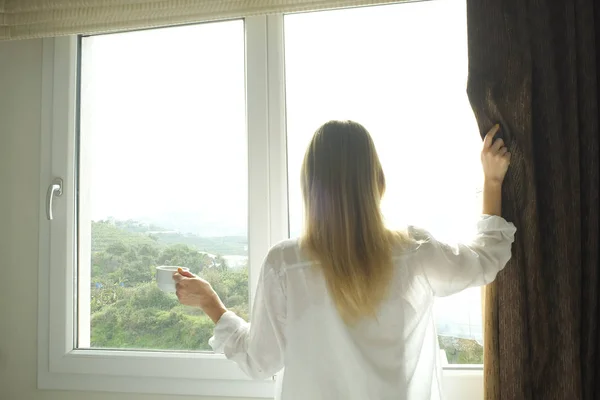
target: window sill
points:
(166, 386)
(463, 384)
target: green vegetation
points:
(461, 351)
(129, 311)
(229, 245)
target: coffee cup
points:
(164, 277)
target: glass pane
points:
(403, 75)
(163, 181)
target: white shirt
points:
(392, 357)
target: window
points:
(159, 144)
(182, 146)
(162, 181)
(403, 75)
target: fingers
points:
(498, 145)
(182, 274)
(494, 146)
(185, 273)
(489, 138)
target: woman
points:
(347, 309)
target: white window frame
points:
(60, 364)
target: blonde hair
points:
(342, 185)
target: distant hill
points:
(105, 233)
(226, 245)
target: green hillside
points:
(128, 309)
(227, 245)
(105, 234)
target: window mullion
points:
(278, 187)
(257, 116)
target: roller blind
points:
(20, 19)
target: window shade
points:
(20, 19)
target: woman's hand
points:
(495, 160)
(495, 157)
(196, 292)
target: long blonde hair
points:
(342, 185)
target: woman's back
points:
(373, 358)
(393, 355)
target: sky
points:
(401, 71)
(163, 114)
(163, 120)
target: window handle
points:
(54, 190)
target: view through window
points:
(163, 180)
(401, 71)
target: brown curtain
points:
(534, 68)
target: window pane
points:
(163, 181)
(403, 75)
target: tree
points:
(220, 263)
(182, 255)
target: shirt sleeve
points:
(257, 347)
(450, 269)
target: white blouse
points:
(392, 357)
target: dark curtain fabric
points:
(534, 68)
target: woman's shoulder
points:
(285, 253)
(409, 240)
(286, 244)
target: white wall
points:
(20, 93)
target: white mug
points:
(164, 277)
